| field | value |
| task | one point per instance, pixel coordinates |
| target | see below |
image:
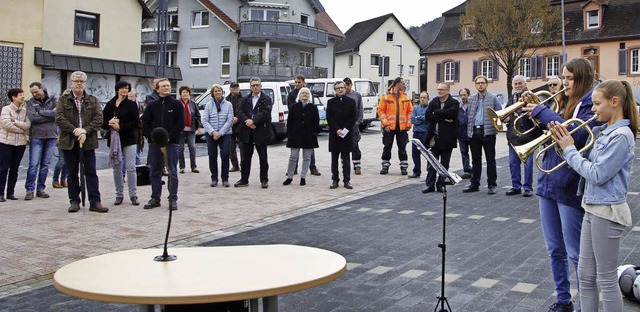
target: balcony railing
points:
(149, 37)
(278, 72)
(280, 31)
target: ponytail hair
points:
(622, 89)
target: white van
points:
(277, 91)
(323, 89)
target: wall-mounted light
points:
(284, 14)
(244, 16)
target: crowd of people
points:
(581, 194)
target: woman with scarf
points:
(217, 121)
(14, 134)
(120, 118)
(303, 125)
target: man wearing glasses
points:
(482, 135)
(519, 84)
(341, 117)
(254, 116)
(79, 117)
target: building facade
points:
(605, 32)
(223, 41)
(380, 42)
(59, 37)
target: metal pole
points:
(564, 56)
(401, 66)
(161, 38)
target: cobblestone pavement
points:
(386, 229)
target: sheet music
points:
(452, 177)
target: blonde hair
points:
(621, 89)
(215, 85)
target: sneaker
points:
(357, 171)
(527, 193)
(42, 194)
(29, 196)
(561, 307)
(152, 204)
(118, 201)
(226, 183)
(492, 190)
(213, 184)
(56, 184)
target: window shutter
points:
(438, 72)
(496, 70)
(475, 69)
(200, 53)
(456, 77)
(540, 66)
(622, 62)
(534, 67)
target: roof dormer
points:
(592, 12)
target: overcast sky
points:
(345, 13)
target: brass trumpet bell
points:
(499, 117)
(540, 97)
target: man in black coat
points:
(442, 113)
(254, 116)
(341, 117)
(234, 98)
(166, 112)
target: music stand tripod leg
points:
(443, 247)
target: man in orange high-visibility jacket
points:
(394, 111)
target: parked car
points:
(323, 88)
(277, 91)
(322, 112)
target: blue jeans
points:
(464, 153)
(190, 138)
(515, 167)
(213, 146)
(155, 159)
(561, 225)
(40, 152)
(60, 170)
(415, 152)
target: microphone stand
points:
(165, 255)
(452, 179)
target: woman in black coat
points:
(303, 125)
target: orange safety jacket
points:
(387, 111)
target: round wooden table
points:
(200, 274)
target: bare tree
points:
(510, 30)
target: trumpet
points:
(525, 150)
(500, 116)
(555, 107)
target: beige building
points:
(368, 42)
(604, 32)
(46, 40)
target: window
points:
(200, 57)
(412, 69)
(173, 20)
(635, 61)
(593, 19)
(304, 19)
(375, 60)
(449, 71)
(553, 66)
(486, 68)
(274, 55)
(86, 29)
(225, 65)
(524, 67)
(536, 26)
(389, 36)
(306, 59)
(200, 19)
(150, 58)
(351, 60)
(265, 15)
(468, 32)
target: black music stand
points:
(452, 179)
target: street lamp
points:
(399, 66)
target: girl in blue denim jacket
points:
(604, 185)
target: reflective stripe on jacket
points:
(387, 111)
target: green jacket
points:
(67, 120)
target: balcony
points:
(278, 72)
(283, 32)
(149, 37)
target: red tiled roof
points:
(324, 22)
(220, 14)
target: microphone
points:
(160, 137)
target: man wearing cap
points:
(234, 98)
